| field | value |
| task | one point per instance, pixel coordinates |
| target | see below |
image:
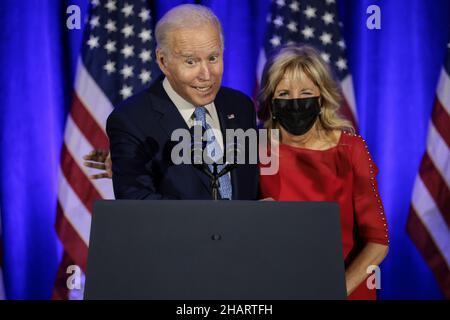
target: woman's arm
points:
(370, 217)
(371, 254)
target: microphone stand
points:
(197, 146)
(214, 176)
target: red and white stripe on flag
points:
(115, 62)
(429, 218)
(348, 108)
(84, 132)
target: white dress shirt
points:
(187, 109)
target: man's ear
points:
(161, 58)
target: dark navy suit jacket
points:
(139, 132)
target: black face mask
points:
(296, 116)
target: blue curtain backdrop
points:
(395, 72)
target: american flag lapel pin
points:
(230, 116)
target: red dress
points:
(346, 174)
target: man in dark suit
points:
(190, 54)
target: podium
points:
(215, 250)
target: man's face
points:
(194, 65)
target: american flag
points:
(316, 23)
(116, 61)
(429, 217)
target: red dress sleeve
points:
(369, 212)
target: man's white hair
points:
(184, 16)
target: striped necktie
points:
(214, 152)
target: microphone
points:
(232, 155)
(198, 146)
(230, 158)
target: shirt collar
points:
(184, 107)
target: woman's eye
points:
(190, 62)
(283, 94)
(213, 59)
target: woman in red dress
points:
(320, 159)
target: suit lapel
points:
(171, 120)
(228, 120)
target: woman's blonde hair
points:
(293, 61)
